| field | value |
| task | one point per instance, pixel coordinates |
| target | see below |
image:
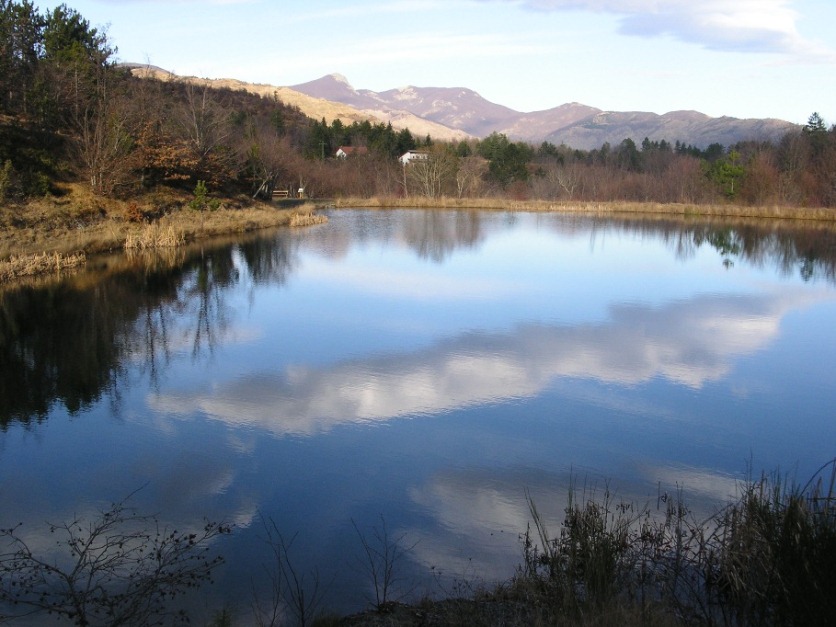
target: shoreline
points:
(62, 233)
(690, 210)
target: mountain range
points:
(456, 113)
(577, 125)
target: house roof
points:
(352, 150)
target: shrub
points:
(119, 568)
(200, 196)
(133, 213)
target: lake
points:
(415, 374)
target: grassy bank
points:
(596, 208)
(59, 233)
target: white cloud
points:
(730, 25)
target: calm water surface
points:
(418, 369)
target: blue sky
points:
(743, 58)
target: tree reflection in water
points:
(67, 341)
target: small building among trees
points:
(344, 152)
(413, 155)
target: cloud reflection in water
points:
(687, 342)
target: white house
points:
(413, 155)
(343, 152)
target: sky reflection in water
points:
(430, 367)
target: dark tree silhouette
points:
(120, 568)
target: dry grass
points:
(78, 224)
(155, 236)
(30, 265)
(307, 219)
(765, 559)
(495, 611)
(595, 208)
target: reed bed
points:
(153, 236)
(19, 266)
(307, 219)
(70, 229)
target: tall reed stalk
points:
(154, 236)
(767, 558)
(18, 266)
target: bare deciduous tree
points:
(429, 177)
(290, 590)
(204, 124)
(469, 175)
(104, 142)
(202, 120)
(267, 158)
(382, 553)
(120, 568)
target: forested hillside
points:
(70, 115)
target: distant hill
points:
(574, 124)
(313, 106)
(456, 108)
(689, 127)
(453, 113)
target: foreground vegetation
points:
(121, 568)
(764, 559)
